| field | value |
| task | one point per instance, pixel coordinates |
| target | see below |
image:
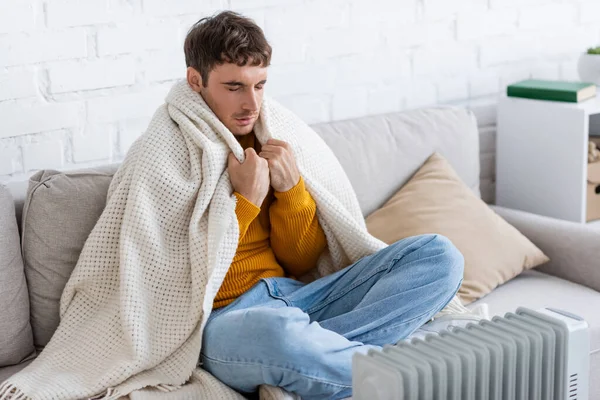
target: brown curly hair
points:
(225, 37)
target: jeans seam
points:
(349, 289)
(274, 287)
(418, 248)
(360, 282)
(380, 331)
(253, 363)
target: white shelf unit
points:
(541, 160)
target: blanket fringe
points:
(113, 394)
(8, 391)
(163, 387)
(108, 394)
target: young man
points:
(286, 333)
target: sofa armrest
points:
(573, 249)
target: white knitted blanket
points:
(134, 308)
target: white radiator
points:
(527, 355)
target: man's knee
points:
(252, 332)
(445, 262)
(451, 261)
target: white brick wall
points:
(67, 13)
(86, 75)
(137, 36)
(80, 79)
(21, 16)
(554, 15)
(17, 84)
(31, 48)
(36, 116)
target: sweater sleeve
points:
(246, 212)
(297, 239)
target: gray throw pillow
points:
(60, 211)
(16, 341)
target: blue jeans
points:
(301, 337)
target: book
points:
(568, 91)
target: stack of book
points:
(572, 92)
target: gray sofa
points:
(55, 211)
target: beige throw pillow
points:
(435, 200)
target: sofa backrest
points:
(380, 153)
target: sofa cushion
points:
(18, 190)
(59, 213)
(7, 372)
(16, 341)
(435, 200)
(534, 289)
(380, 153)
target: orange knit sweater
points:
(281, 238)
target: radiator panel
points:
(548, 349)
(533, 371)
(424, 369)
(508, 346)
(526, 355)
(482, 362)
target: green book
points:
(572, 92)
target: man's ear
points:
(194, 79)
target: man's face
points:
(235, 95)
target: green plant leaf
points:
(594, 50)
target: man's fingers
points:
(277, 142)
(250, 153)
(267, 154)
(273, 149)
(231, 158)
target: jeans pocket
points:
(282, 288)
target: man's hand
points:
(282, 164)
(250, 178)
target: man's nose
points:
(251, 101)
